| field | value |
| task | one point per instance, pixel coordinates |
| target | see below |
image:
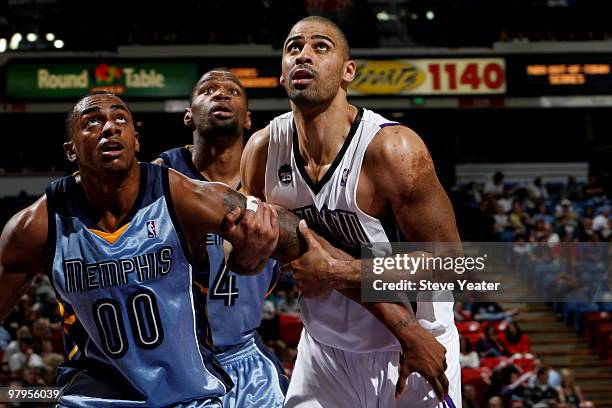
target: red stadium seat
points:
(590, 321)
(603, 330)
(469, 327)
(524, 363)
(290, 328)
(492, 362)
(473, 337)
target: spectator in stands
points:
(554, 378)
(461, 313)
(500, 222)
(496, 186)
(13, 346)
(506, 200)
(467, 356)
(543, 214)
(603, 291)
(585, 229)
(516, 341)
(541, 395)
(25, 357)
(522, 248)
(593, 189)
(490, 311)
(495, 402)
(570, 393)
(537, 190)
(491, 345)
(474, 196)
(572, 190)
(514, 384)
(518, 218)
(31, 378)
(565, 211)
(289, 304)
(470, 397)
(601, 222)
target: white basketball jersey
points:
(330, 206)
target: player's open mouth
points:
(301, 77)
(222, 111)
(111, 150)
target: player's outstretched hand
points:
(253, 236)
(422, 353)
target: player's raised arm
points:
(22, 253)
(254, 234)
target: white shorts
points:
(327, 377)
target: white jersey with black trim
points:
(330, 207)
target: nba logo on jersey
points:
(284, 174)
(345, 174)
(151, 229)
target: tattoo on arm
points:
(290, 243)
(232, 200)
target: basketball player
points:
(118, 240)
(217, 116)
(357, 178)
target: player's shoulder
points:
(393, 141)
(258, 142)
(168, 156)
(30, 224)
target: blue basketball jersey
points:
(132, 326)
(234, 302)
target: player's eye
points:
(209, 91)
(92, 122)
(121, 119)
(234, 92)
(322, 47)
(293, 47)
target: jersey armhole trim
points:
(173, 217)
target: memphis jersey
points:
(127, 303)
(330, 208)
(234, 302)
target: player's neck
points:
(113, 194)
(322, 134)
(218, 158)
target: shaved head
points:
(343, 42)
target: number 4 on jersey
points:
(224, 287)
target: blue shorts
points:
(208, 403)
(259, 379)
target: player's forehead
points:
(313, 29)
(98, 103)
(219, 77)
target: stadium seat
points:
(290, 328)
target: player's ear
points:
(70, 152)
(187, 119)
(282, 80)
(349, 71)
(137, 142)
(247, 122)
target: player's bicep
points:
(22, 253)
(253, 164)
(418, 201)
(201, 206)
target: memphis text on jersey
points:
(83, 276)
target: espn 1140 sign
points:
(453, 76)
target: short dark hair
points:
(73, 114)
(224, 70)
(328, 22)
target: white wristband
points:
(251, 203)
